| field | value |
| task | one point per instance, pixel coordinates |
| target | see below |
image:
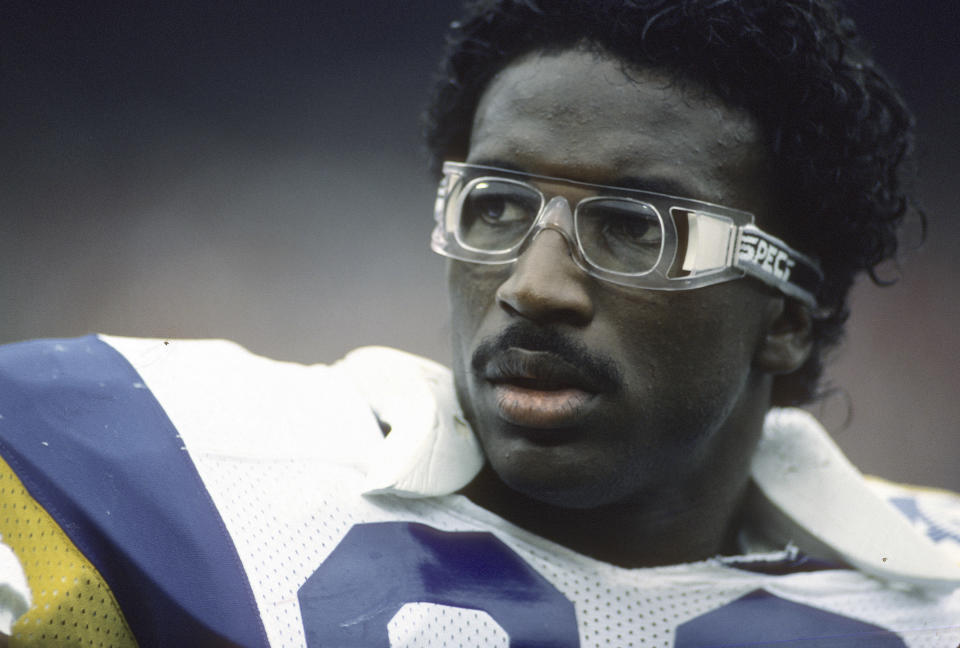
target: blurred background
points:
(253, 170)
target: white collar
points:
(807, 492)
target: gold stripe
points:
(72, 605)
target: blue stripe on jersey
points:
(94, 447)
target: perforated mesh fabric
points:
(72, 605)
(283, 527)
(428, 625)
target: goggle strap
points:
(775, 263)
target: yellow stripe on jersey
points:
(72, 605)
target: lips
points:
(538, 389)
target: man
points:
(654, 212)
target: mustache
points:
(599, 368)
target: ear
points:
(788, 340)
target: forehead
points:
(584, 116)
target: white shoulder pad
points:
(430, 449)
(813, 496)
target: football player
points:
(653, 211)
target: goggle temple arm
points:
(775, 263)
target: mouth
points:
(538, 389)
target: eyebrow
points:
(655, 184)
(652, 184)
(499, 164)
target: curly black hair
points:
(838, 132)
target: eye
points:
(496, 214)
(495, 203)
(619, 234)
(625, 223)
(497, 210)
(631, 231)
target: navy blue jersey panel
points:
(94, 447)
(762, 619)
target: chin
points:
(557, 484)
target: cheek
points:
(687, 351)
(717, 344)
(472, 292)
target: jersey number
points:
(377, 568)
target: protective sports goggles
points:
(626, 236)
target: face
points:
(584, 393)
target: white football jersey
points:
(332, 533)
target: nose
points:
(546, 285)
